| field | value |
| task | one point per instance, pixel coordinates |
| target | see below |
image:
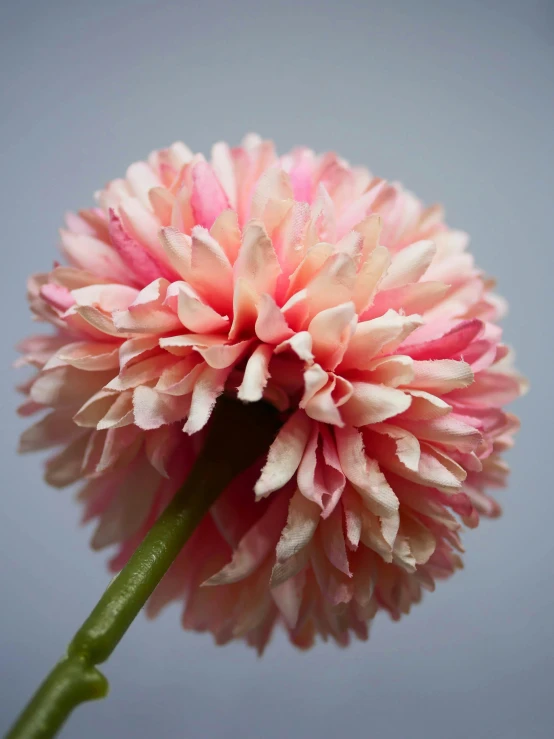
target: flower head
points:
(329, 293)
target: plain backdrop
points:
(455, 99)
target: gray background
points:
(453, 98)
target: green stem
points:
(237, 436)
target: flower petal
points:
(330, 331)
(209, 386)
(257, 261)
(409, 264)
(377, 335)
(153, 409)
(284, 454)
(256, 374)
(371, 403)
(364, 473)
(302, 521)
(441, 375)
(208, 197)
(255, 546)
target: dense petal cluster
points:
(333, 295)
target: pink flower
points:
(329, 293)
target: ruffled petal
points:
(284, 454)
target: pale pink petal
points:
(333, 542)
(57, 296)
(147, 313)
(377, 335)
(210, 271)
(245, 310)
(372, 403)
(448, 345)
(107, 298)
(180, 377)
(359, 209)
(482, 354)
(369, 278)
(141, 373)
(222, 164)
(77, 224)
(255, 546)
(93, 411)
(284, 571)
(434, 469)
(315, 379)
(220, 356)
(133, 350)
(300, 344)
(376, 535)
(301, 174)
(209, 386)
(208, 198)
(140, 223)
(94, 323)
(182, 216)
(284, 454)
(441, 375)
(29, 408)
(196, 315)
(162, 202)
(450, 431)
(422, 542)
(322, 405)
(274, 184)
(177, 247)
(419, 297)
(256, 374)
(334, 284)
(370, 230)
(490, 388)
(407, 447)
(331, 330)
(392, 371)
(364, 473)
(288, 597)
(226, 232)
(38, 349)
(271, 326)
(352, 506)
(409, 265)
(153, 409)
(425, 406)
(311, 476)
(257, 261)
(67, 386)
(93, 255)
(90, 355)
(302, 522)
(53, 429)
(141, 263)
(129, 508)
(335, 587)
(334, 475)
(66, 467)
(296, 310)
(184, 344)
(288, 236)
(142, 178)
(311, 264)
(159, 447)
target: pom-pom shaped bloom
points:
(329, 293)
